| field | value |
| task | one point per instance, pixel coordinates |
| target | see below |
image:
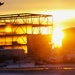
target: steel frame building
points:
(21, 25)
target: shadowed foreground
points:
(39, 71)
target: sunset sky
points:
(63, 11)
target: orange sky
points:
(63, 11)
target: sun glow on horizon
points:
(57, 37)
(60, 16)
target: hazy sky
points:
(62, 10)
(11, 6)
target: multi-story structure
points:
(31, 32)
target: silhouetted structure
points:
(21, 31)
(69, 40)
(11, 54)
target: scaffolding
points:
(14, 28)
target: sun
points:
(57, 37)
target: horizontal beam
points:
(11, 35)
(13, 45)
(23, 15)
(33, 25)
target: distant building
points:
(69, 40)
(7, 54)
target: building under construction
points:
(31, 32)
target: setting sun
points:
(57, 37)
(62, 18)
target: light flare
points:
(57, 37)
(8, 28)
